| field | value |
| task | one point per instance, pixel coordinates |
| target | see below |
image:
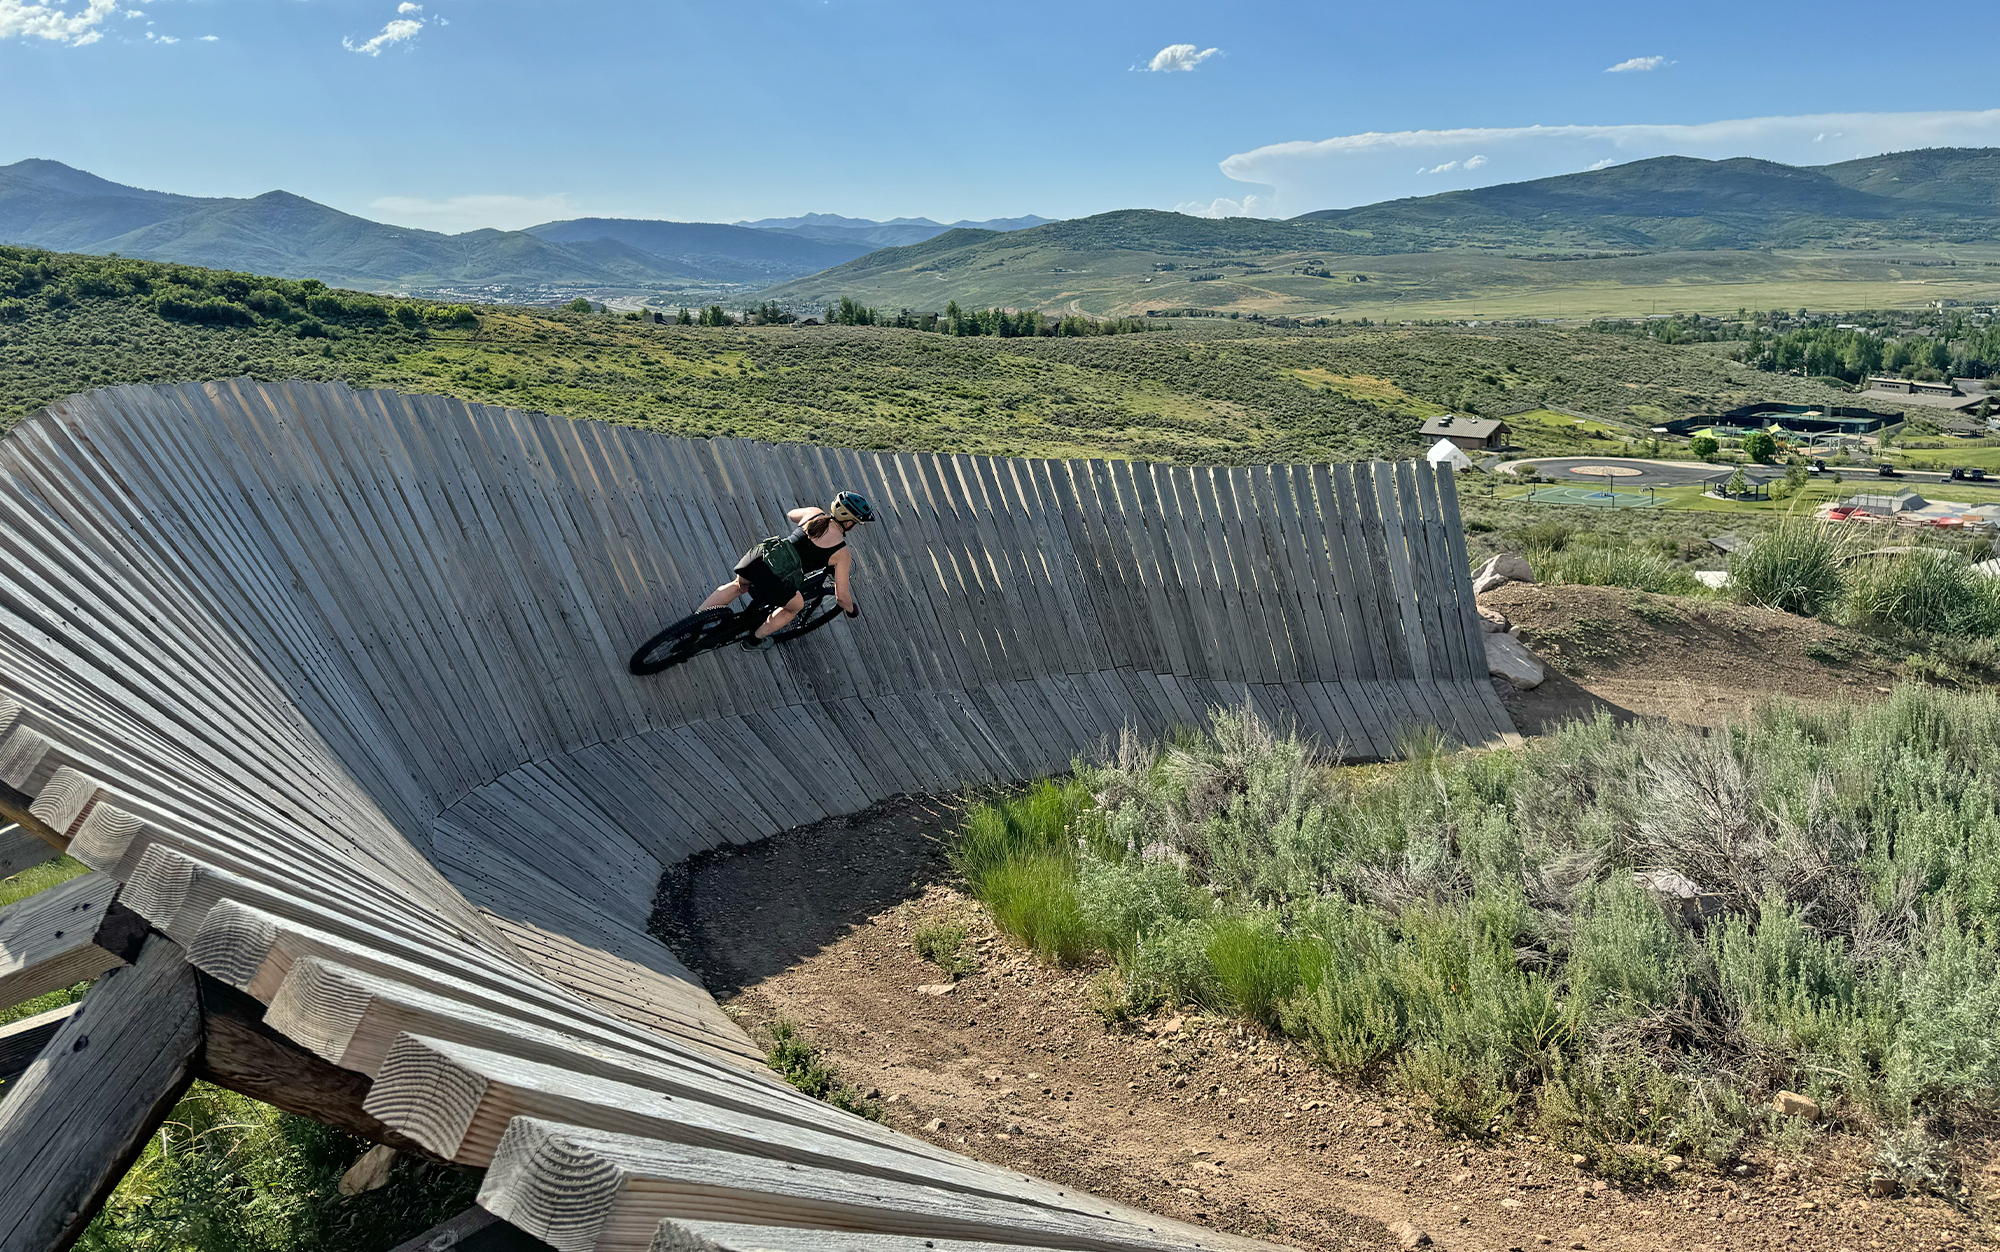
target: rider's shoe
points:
(754, 644)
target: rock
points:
(1791, 1104)
(1715, 578)
(1488, 582)
(935, 1125)
(1377, 1123)
(1669, 1164)
(1508, 567)
(1510, 1203)
(1509, 658)
(1492, 621)
(1409, 1235)
(1881, 1188)
(1578, 1159)
(370, 1172)
(937, 989)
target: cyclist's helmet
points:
(851, 508)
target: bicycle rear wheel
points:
(689, 637)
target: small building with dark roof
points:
(1474, 434)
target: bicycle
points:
(718, 628)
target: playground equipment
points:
(329, 689)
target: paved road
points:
(1682, 473)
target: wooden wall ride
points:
(330, 686)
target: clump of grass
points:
(802, 1065)
(943, 945)
(39, 878)
(225, 1173)
(1636, 568)
(1796, 567)
(1922, 593)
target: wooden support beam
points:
(696, 1236)
(15, 808)
(68, 934)
(21, 1042)
(591, 1191)
(474, 1230)
(20, 849)
(78, 1118)
(457, 1101)
(243, 1054)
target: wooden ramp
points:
(330, 687)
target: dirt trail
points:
(1697, 662)
(1196, 1119)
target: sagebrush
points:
(1500, 934)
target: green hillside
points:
(1671, 234)
(1210, 390)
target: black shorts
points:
(765, 586)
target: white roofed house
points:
(1474, 434)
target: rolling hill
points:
(894, 233)
(1669, 232)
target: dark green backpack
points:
(781, 557)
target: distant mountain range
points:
(46, 204)
(1133, 259)
(1663, 221)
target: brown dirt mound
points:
(1196, 1118)
(1697, 662)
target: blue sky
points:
(463, 113)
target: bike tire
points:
(688, 638)
(806, 623)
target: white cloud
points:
(406, 8)
(395, 32)
(1361, 169)
(1248, 206)
(461, 213)
(1474, 162)
(1179, 57)
(154, 38)
(55, 23)
(1637, 65)
(209, 38)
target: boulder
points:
(1507, 566)
(1492, 621)
(1510, 659)
(1483, 583)
(1792, 1104)
(1409, 1235)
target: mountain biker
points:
(775, 569)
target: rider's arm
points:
(801, 516)
(841, 562)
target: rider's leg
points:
(781, 617)
(725, 593)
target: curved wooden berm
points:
(330, 685)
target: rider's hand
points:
(854, 610)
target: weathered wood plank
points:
(21, 1042)
(65, 935)
(85, 1107)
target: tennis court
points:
(1598, 497)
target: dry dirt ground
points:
(1698, 662)
(1195, 1118)
(1211, 1122)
